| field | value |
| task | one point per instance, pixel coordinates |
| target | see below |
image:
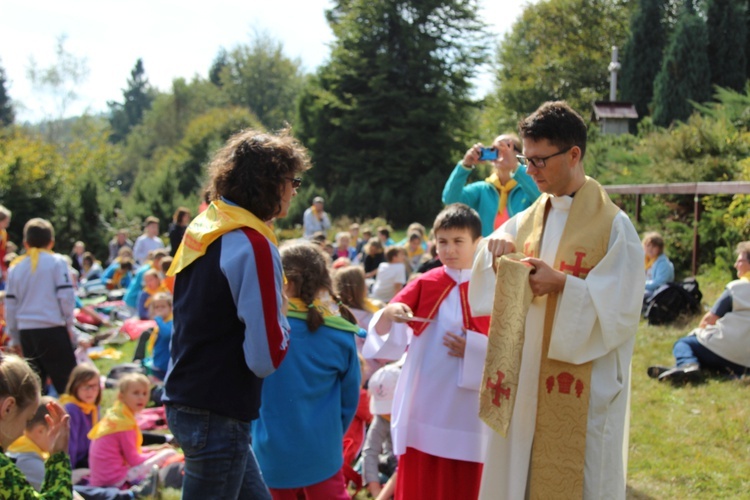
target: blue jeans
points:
(689, 350)
(219, 460)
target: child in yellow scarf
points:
(116, 458)
(151, 286)
(81, 401)
(32, 448)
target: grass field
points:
(685, 442)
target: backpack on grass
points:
(671, 300)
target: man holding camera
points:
(508, 191)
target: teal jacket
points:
(484, 198)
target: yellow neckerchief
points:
(386, 417)
(502, 189)
(26, 445)
(411, 254)
(219, 218)
(298, 309)
(746, 276)
(119, 418)
(87, 408)
(315, 212)
(155, 335)
(3, 238)
(32, 253)
(153, 291)
(370, 306)
(649, 261)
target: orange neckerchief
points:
(315, 212)
(503, 189)
(153, 291)
(87, 408)
(119, 418)
(26, 445)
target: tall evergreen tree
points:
(388, 109)
(642, 54)
(684, 74)
(6, 107)
(137, 99)
(727, 36)
(220, 62)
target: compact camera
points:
(488, 154)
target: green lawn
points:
(685, 442)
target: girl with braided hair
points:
(309, 402)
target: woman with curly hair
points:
(230, 329)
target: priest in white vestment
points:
(594, 320)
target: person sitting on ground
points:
(115, 455)
(91, 268)
(76, 256)
(391, 276)
(659, 269)
(384, 235)
(117, 243)
(19, 401)
(508, 191)
(722, 340)
(151, 286)
(374, 256)
(414, 250)
(157, 359)
(135, 287)
(81, 399)
(343, 247)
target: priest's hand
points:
(499, 245)
(543, 278)
(456, 344)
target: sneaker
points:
(657, 370)
(689, 373)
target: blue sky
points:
(174, 38)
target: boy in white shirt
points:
(391, 276)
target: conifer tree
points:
(642, 54)
(684, 74)
(387, 110)
(6, 107)
(727, 37)
(137, 99)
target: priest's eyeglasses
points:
(540, 163)
(296, 181)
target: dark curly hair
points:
(252, 167)
(557, 122)
(305, 267)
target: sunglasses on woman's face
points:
(296, 181)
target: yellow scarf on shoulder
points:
(86, 408)
(370, 306)
(26, 445)
(219, 218)
(746, 276)
(502, 189)
(33, 254)
(119, 418)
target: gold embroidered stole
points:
(559, 449)
(502, 364)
